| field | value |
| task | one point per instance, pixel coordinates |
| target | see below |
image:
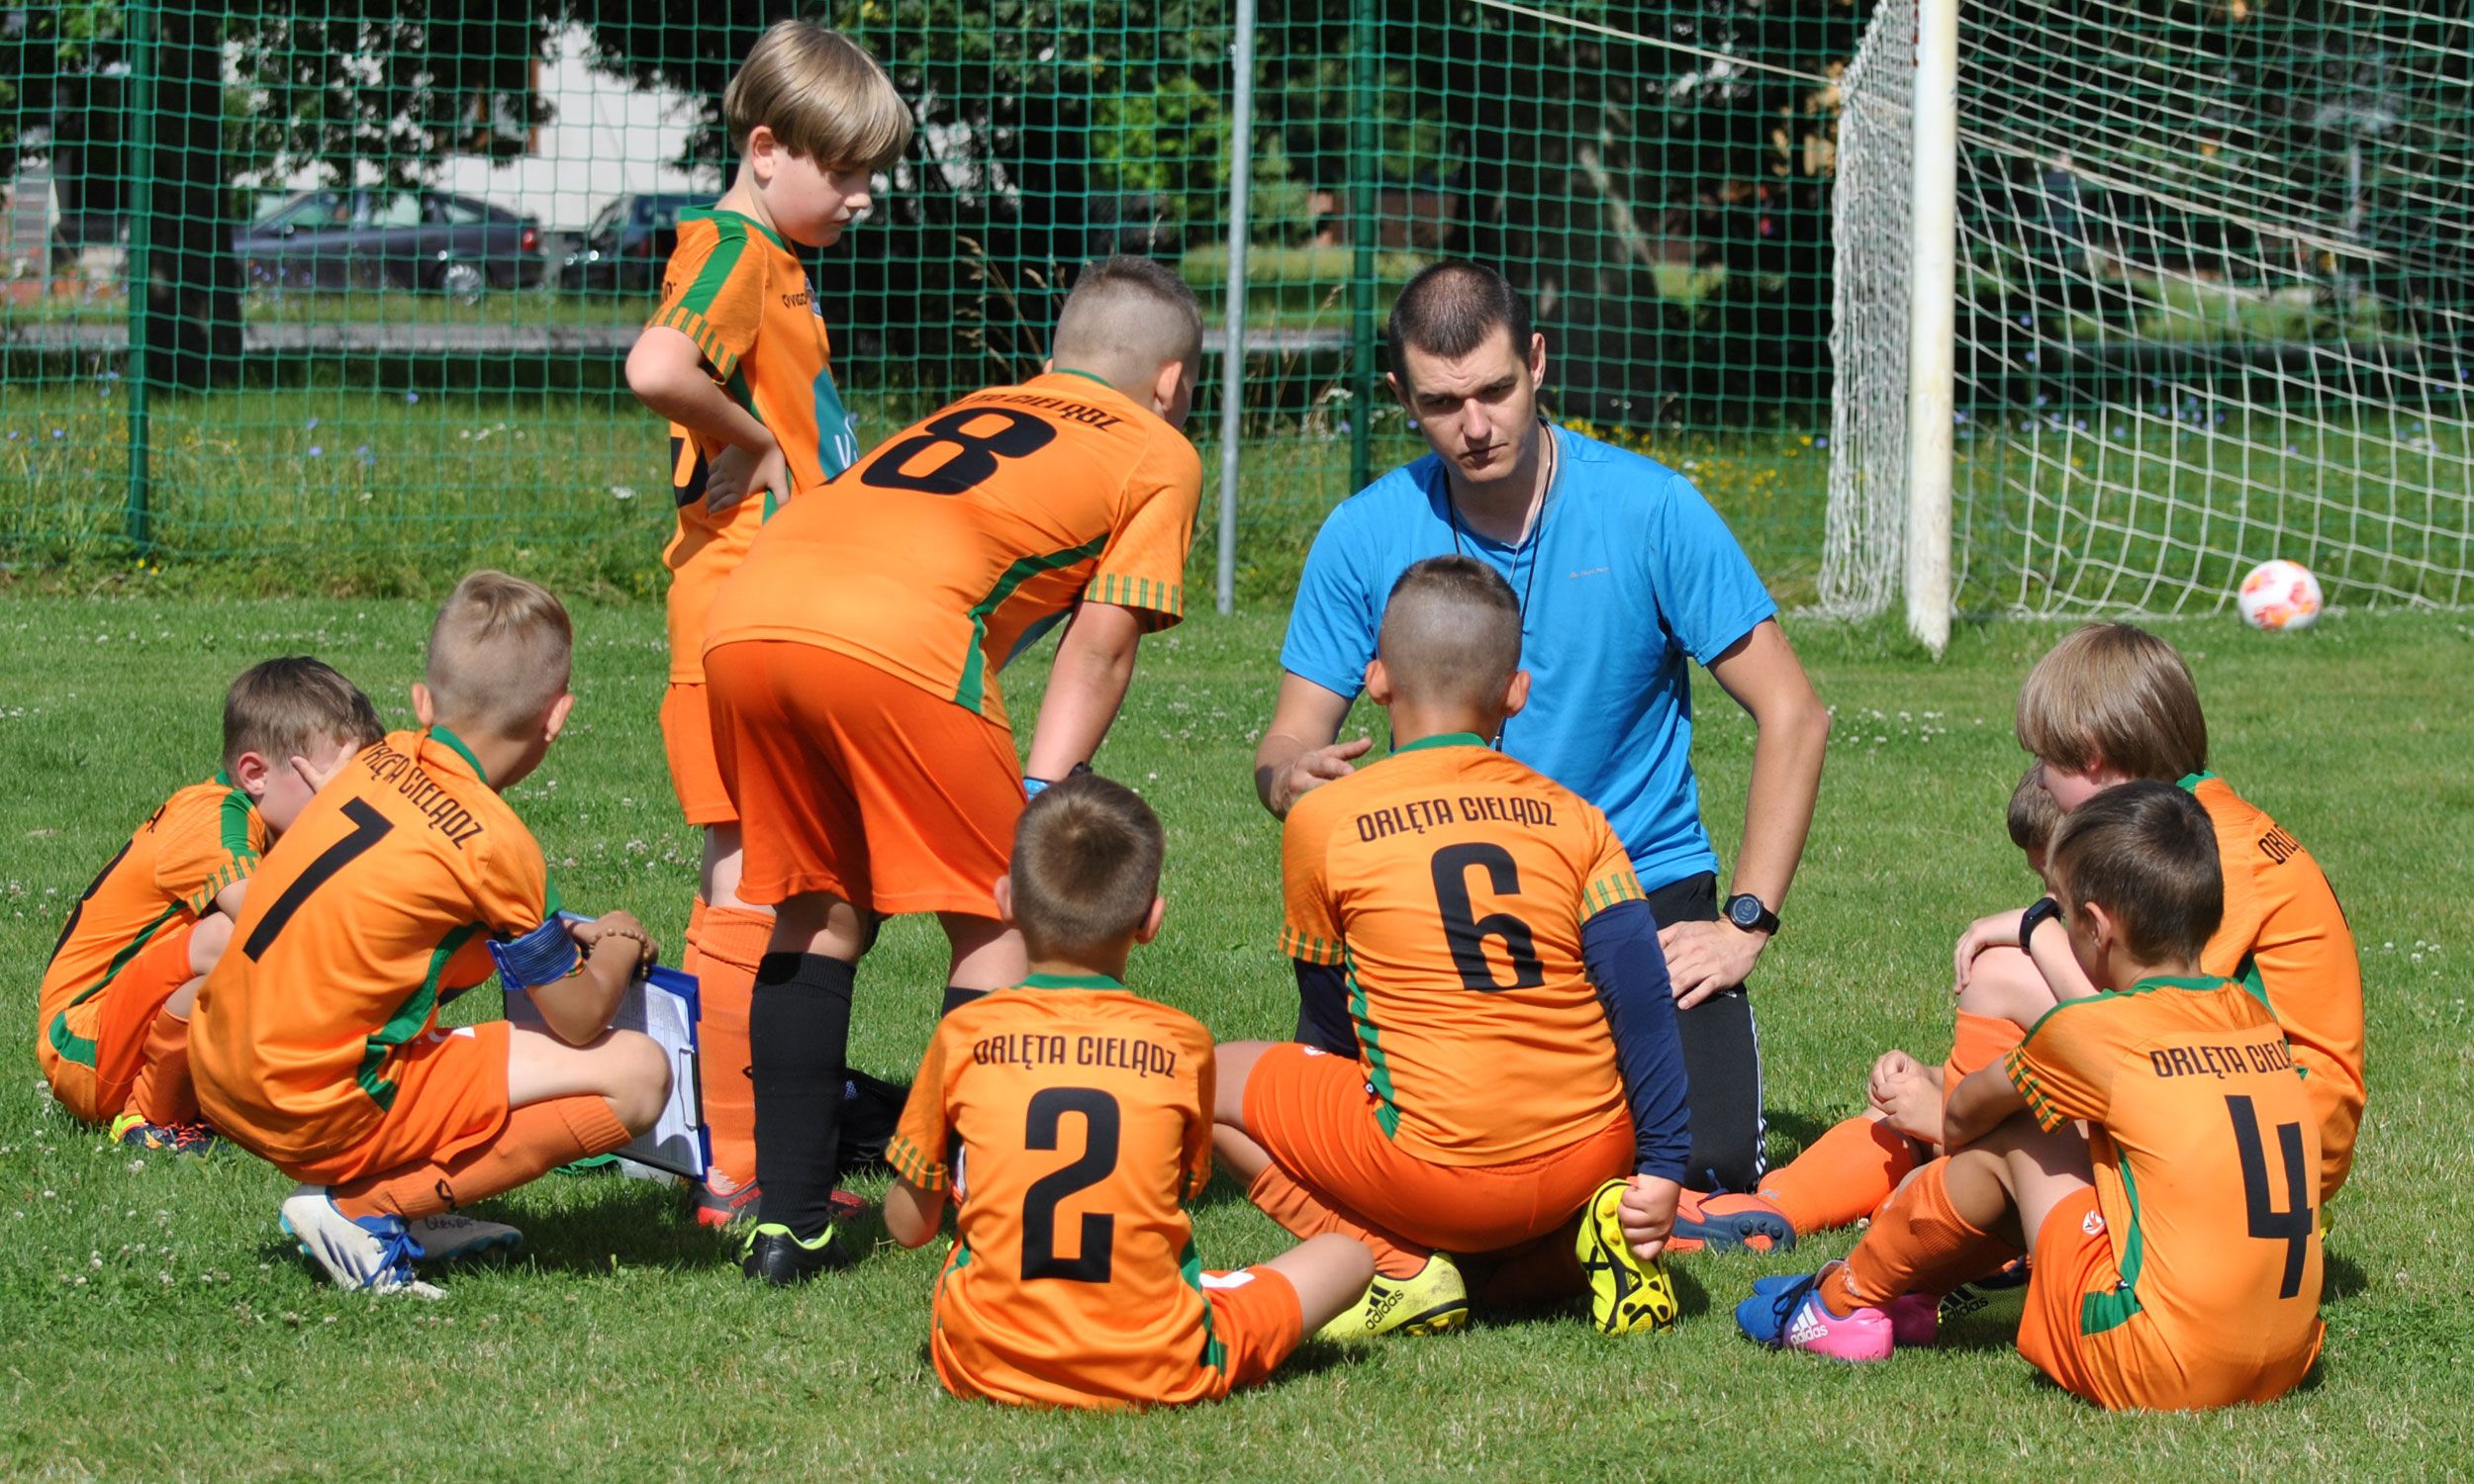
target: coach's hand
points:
(1647, 1213)
(737, 473)
(1314, 767)
(1708, 958)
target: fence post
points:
(137, 210)
(1234, 312)
(1364, 99)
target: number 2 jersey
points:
(377, 904)
(952, 547)
(1083, 1116)
(1452, 882)
(2206, 1155)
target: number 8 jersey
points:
(1082, 1118)
(1452, 882)
(954, 545)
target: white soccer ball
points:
(2280, 596)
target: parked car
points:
(428, 240)
(627, 243)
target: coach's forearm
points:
(1787, 750)
(1274, 756)
(1095, 667)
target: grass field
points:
(156, 1327)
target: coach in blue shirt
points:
(1624, 574)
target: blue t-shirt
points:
(1627, 574)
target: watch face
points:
(1744, 911)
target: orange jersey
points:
(202, 839)
(2205, 1149)
(1452, 883)
(954, 546)
(2285, 938)
(377, 905)
(1084, 1115)
(738, 292)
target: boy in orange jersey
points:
(1517, 1063)
(1073, 1279)
(316, 1043)
(2108, 704)
(853, 663)
(112, 1018)
(736, 357)
(2176, 1248)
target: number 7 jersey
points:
(1082, 1115)
(954, 545)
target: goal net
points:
(2215, 303)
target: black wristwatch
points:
(1749, 914)
(2043, 909)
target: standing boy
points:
(112, 1018)
(1073, 1281)
(316, 1043)
(737, 357)
(2175, 1243)
(853, 660)
(1516, 1056)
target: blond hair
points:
(2032, 812)
(1450, 630)
(822, 96)
(1126, 317)
(291, 707)
(500, 654)
(1086, 867)
(2113, 695)
(2147, 852)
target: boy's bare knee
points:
(638, 1087)
(206, 942)
(2003, 983)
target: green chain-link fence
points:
(388, 259)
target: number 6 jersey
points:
(1082, 1116)
(371, 907)
(956, 544)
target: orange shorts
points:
(857, 783)
(450, 1097)
(1312, 1114)
(687, 741)
(1256, 1321)
(107, 1033)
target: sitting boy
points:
(113, 1013)
(2109, 703)
(2176, 1248)
(1466, 905)
(1073, 1281)
(316, 1043)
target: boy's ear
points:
(251, 771)
(1164, 386)
(1516, 692)
(1378, 681)
(557, 721)
(762, 146)
(425, 706)
(1151, 920)
(1005, 900)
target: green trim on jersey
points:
(972, 689)
(730, 245)
(1088, 376)
(1069, 981)
(1189, 1267)
(233, 821)
(76, 1048)
(2190, 781)
(1440, 739)
(1371, 1051)
(455, 745)
(409, 1018)
(2099, 1312)
(722, 216)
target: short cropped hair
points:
(2118, 694)
(1450, 308)
(500, 653)
(293, 707)
(1085, 866)
(2147, 852)
(1450, 630)
(823, 95)
(2032, 812)
(1126, 319)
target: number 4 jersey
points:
(953, 546)
(375, 904)
(2207, 1159)
(1082, 1118)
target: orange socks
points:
(1846, 1172)
(728, 943)
(1297, 1209)
(1918, 1243)
(1977, 1042)
(163, 1093)
(538, 1137)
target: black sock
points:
(799, 1031)
(955, 999)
